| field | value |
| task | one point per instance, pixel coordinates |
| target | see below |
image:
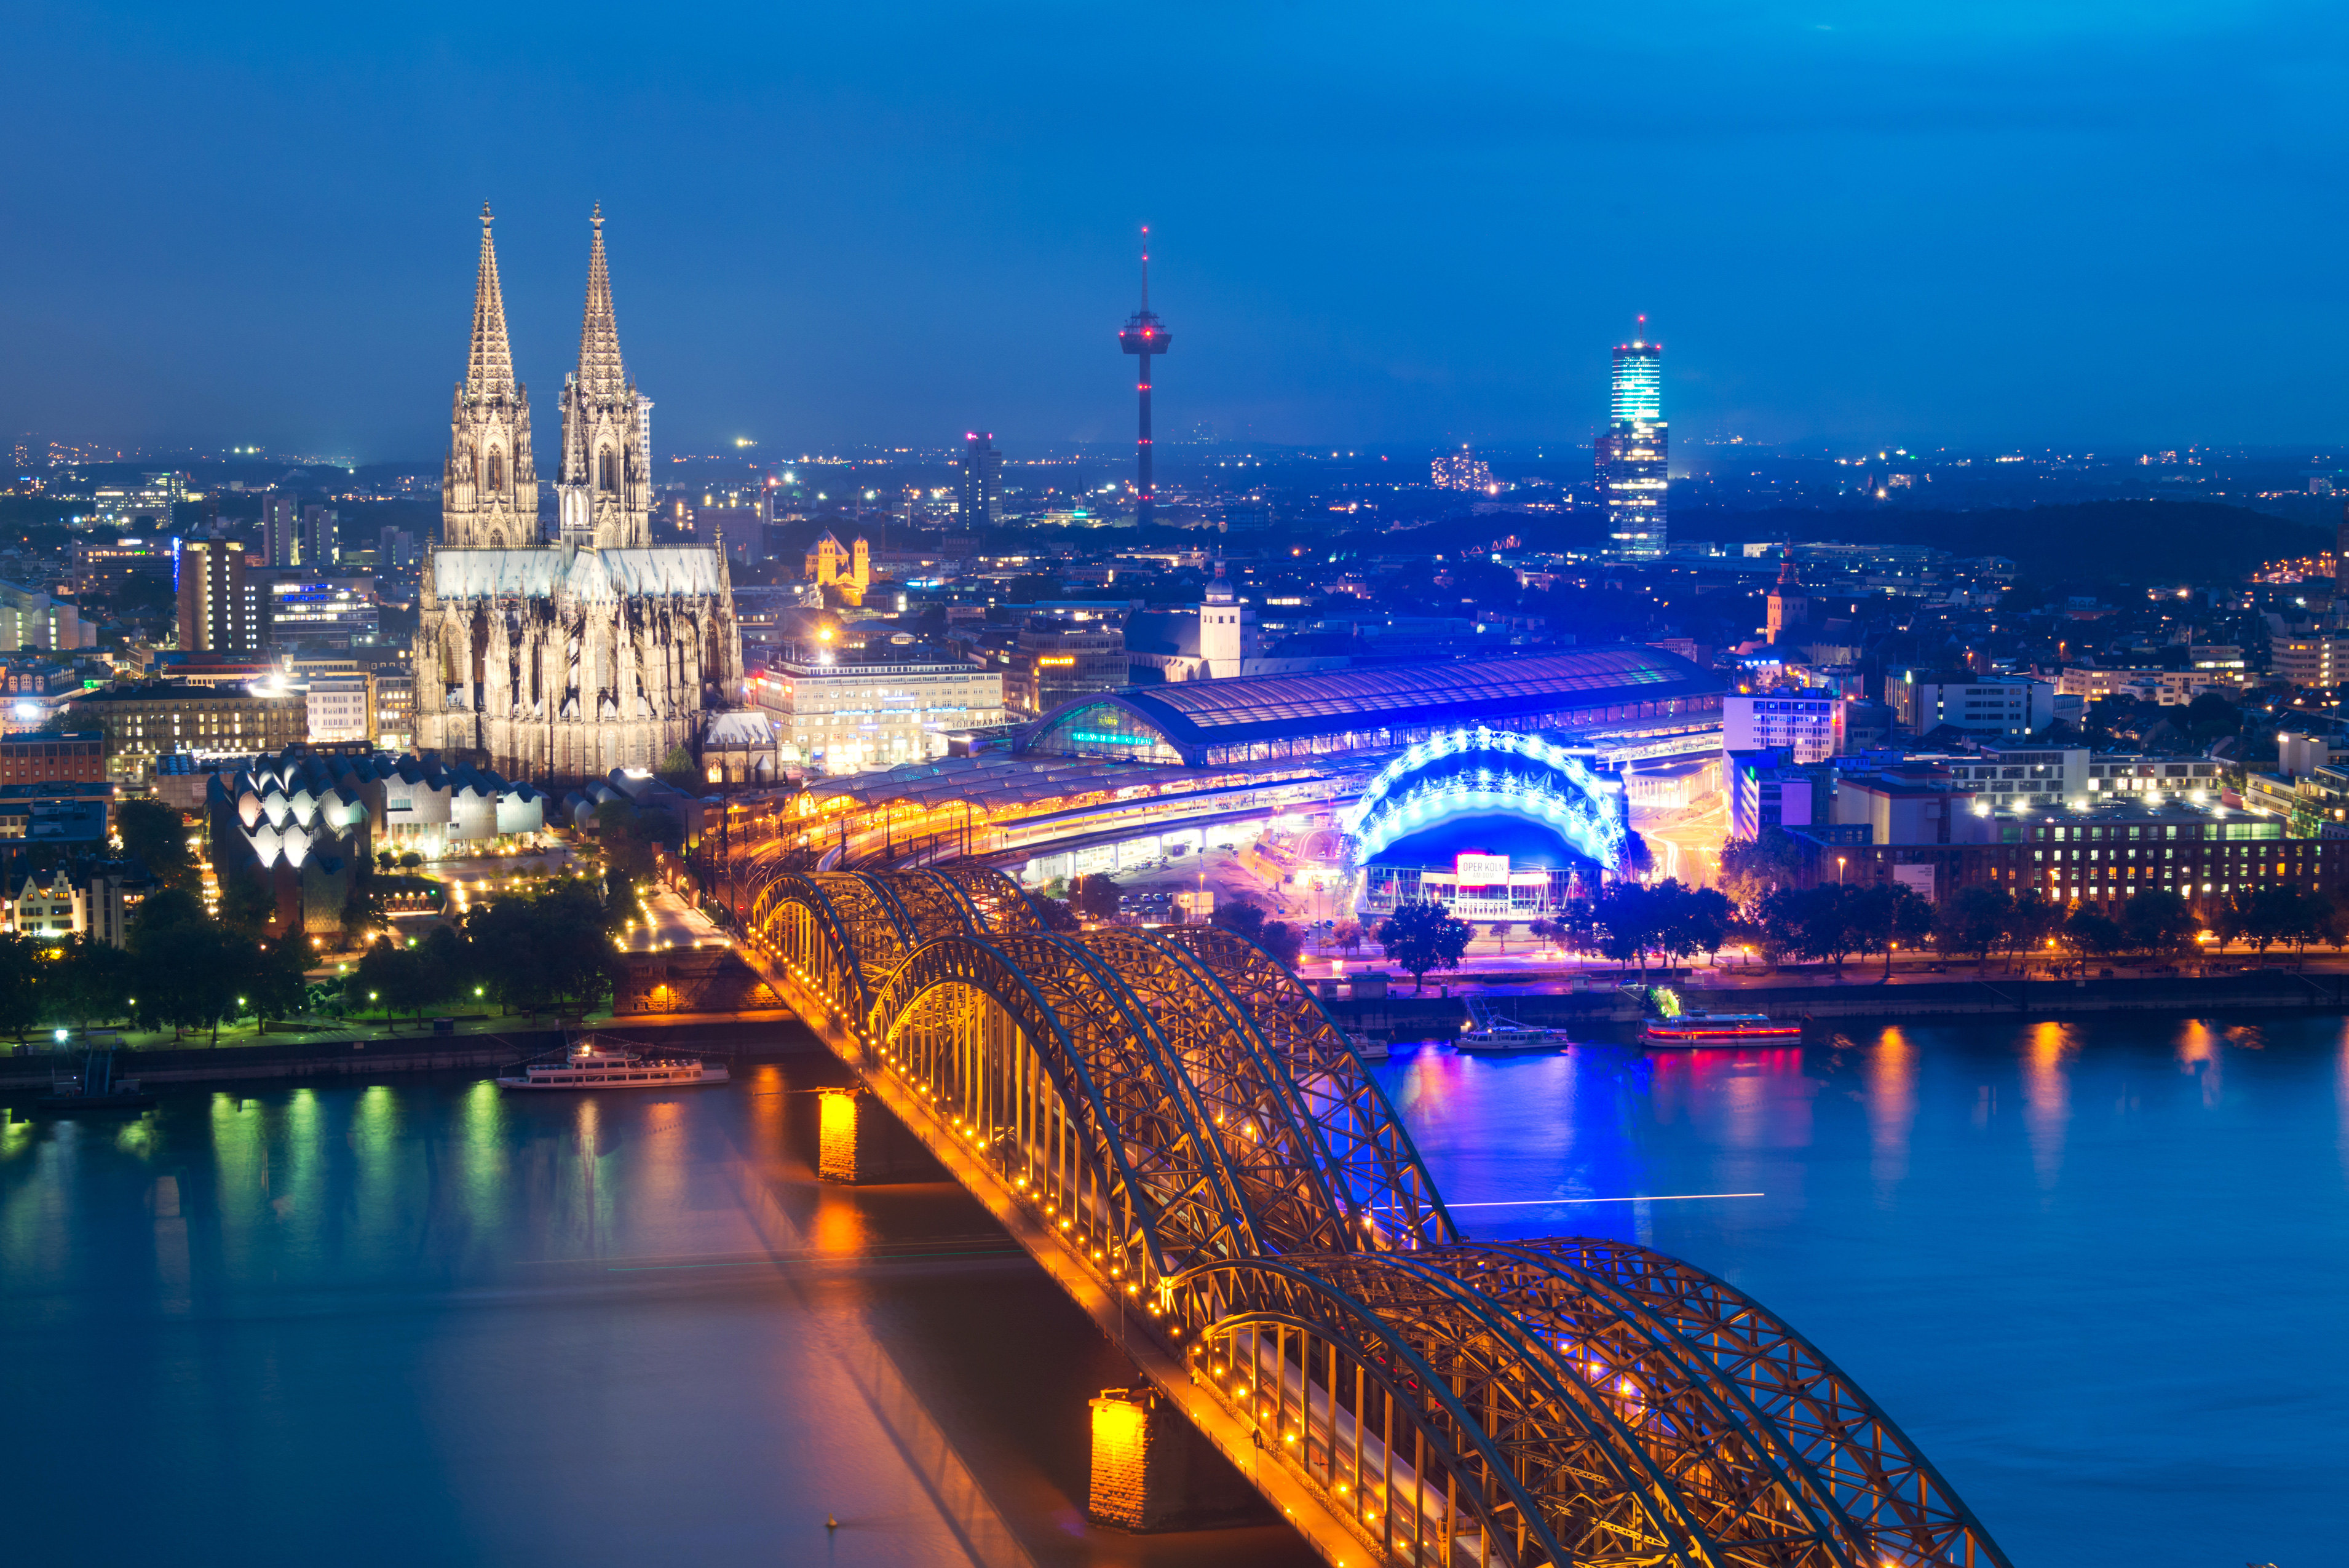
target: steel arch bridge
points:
(1176, 1128)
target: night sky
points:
(1968, 224)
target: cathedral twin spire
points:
(489, 490)
(601, 375)
(490, 367)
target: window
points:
(497, 470)
(605, 479)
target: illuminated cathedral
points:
(561, 659)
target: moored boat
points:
(594, 1063)
(1720, 1029)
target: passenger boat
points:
(1488, 1031)
(1369, 1050)
(1720, 1029)
(594, 1063)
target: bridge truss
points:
(1191, 1137)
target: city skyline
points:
(1849, 227)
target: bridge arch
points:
(1489, 770)
(1048, 1066)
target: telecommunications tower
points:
(1145, 334)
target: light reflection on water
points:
(424, 1322)
(2094, 1269)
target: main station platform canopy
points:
(1257, 719)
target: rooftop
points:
(1464, 692)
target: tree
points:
(1094, 897)
(2087, 933)
(1637, 860)
(21, 977)
(247, 902)
(2032, 922)
(92, 981)
(1283, 941)
(1348, 936)
(1052, 913)
(277, 984)
(1974, 920)
(1243, 916)
(678, 771)
(2159, 923)
(2211, 717)
(1421, 937)
(1500, 930)
(544, 949)
(1812, 923)
(153, 835)
(1690, 920)
(1753, 868)
(1888, 916)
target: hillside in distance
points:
(2135, 542)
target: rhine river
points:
(2095, 1271)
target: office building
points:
(31, 619)
(2314, 662)
(1073, 658)
(982, 479)
(844, 718)
(739, 531)
(281, 528)
(1635, 451)
(102, 567)
(1806, 726)
(341, 709)
(1767, 791)
(395, 709)
(219, 606)
(1460, 471)
(2009, 707)
(152, 719)
(338, 611)
(320, 542)
(80, 758)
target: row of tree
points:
(183, 970)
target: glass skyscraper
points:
(1635, 451)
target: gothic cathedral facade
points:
(558, 661)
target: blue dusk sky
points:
(1978, 222)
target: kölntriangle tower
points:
(558, 661)
(1146, 335)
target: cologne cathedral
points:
(558, 660)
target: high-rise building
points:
(1635, 452)
(1145, 336)
(1460, 471)
(319, 544)
(281, 529)
(982, 479)
(220, 608)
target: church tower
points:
(488, 490)
(604, 493)
(1789, 607)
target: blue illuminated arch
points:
(1522, 775)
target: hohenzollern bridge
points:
(1174, 1128)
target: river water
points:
(2095, 1271)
